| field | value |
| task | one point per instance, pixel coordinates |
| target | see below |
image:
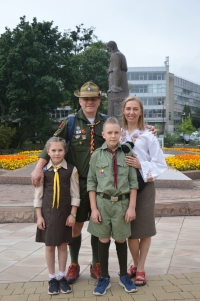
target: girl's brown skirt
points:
(144, 224)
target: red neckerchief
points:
(114, 164)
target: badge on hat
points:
(89, 89)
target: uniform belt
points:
(113, 198)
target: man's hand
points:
(37, 177)
(152, 129)
(96, 216)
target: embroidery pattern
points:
(149, 176)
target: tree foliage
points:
(6, 135)
(186, 126)
(40, 68)
(35, 68)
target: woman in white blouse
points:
(150, 162)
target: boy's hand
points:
(71, 220)
(130, 215)
(96, 216)
(41, 223)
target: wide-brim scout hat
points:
(89, 89)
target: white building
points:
(163, 94)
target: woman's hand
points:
(71, 220)
(41, 223)
(133, 161)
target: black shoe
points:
(53, 287)
(64, 286)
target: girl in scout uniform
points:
(56, 203)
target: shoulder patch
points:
(61, 126)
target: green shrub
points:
(6, 134)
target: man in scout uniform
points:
(86, 136)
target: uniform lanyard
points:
(114, 164)
(56, 186)
(92, 125)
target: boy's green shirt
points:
(100, 176)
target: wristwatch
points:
(73, 214)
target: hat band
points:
(85, 93)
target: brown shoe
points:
(95, 272)
(73, 273)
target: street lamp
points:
(163, 118)
(183, 116)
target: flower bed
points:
(184, 162)
(183, 149)
(12, 162)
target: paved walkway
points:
(172, 266)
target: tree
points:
(35, 69)
(186, 127)
(6, 135)
(196, 119)
(82, 37)
(40, 68)
(187, 110)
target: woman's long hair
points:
(141, 122)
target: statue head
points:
(111, 47)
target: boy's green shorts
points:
(113, 220)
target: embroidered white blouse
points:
(148, 151)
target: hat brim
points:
(87, 94)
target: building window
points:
(146, 76)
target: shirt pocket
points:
(102, 170)
(79, 144)
(122, 169)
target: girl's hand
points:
(96, 216)
(41, 223)
(133, 161)
(71, 220)
(130, 215)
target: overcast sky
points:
(146, 31)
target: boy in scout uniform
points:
(112, 187)
(86, 136)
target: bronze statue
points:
(118, 84)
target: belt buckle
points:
(114, 198)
